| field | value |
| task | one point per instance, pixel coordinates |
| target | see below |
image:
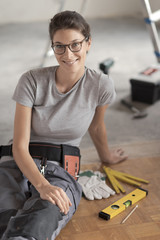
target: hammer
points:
(137, 112)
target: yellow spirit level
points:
(123, 203)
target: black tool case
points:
(145, 86)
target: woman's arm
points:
(98, 133)
(22, 126)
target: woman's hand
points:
(115, 156)
(55, 195)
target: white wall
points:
(40, 10)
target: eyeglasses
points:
(74, 47)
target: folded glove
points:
(94, 186)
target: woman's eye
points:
(59, 46)
(76, 44)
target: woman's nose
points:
(68, 52)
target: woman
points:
(55, 107)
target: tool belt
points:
(67, 156)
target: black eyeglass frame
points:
(69, 46)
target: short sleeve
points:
(25, 90)
(107, 92)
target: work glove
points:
(94, 186)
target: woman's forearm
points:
(99, 138)
(28, 167)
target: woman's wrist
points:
(41, 183)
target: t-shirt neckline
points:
(72, 89)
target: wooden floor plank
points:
(116, 233)
(94, 235)
(144, 230)
(157, 237)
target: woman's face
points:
(71, 61)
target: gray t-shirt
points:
(62, 118)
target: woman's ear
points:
(88, 44)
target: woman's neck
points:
(66, 81)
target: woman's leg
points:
(12, 189)
(41, 219)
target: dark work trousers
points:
(23, 214)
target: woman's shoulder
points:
(37, 76)
(92, 72)
(100, 85)
(96, 76)
(42, 72)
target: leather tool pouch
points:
(71, 160)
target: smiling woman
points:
(55, 106)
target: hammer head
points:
(136, 111)
(140, 114)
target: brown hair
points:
(69, 20)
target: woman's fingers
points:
(60, 203)
(61, 200)
(57, 196)
(121, 155)
(116, 156)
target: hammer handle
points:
(127, 104)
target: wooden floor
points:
(143, 224)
